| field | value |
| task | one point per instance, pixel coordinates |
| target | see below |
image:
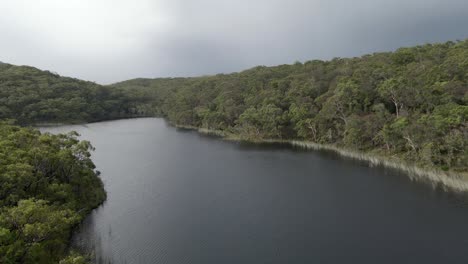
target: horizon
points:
(234, 72)
(111, 41)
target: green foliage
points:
(74, 258)
(30, 96)
(409, 104)
(259, 123)
(48, 183)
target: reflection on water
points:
(176, 196)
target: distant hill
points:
(30, 95)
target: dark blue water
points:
(178, 197)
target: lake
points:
(176, 196)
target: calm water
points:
(179, 197)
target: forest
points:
(409, 105)
(48, 185)
(32, 96)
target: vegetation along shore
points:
(448, 181)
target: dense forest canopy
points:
(410, 104)
(30, 96)
(48, 184)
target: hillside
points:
(409, 105)
(30, 95)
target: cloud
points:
(108, 41)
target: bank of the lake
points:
(447, 180)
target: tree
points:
(36, 231)
(394, 90)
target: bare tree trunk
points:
(314, 131)
(410, 142)
(397, 110)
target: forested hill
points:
(30, 95)
(410, 104)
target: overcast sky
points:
(112, 40)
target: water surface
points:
(177, 197)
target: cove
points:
(176, 196)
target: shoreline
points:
(80, 122)
(448, 181)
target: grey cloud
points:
(188, 38)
